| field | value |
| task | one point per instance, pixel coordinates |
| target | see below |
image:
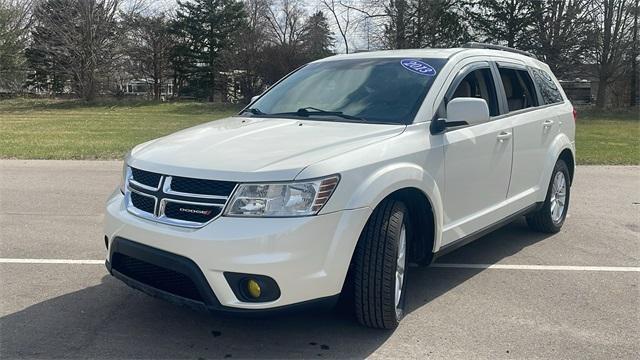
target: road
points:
(53, 210)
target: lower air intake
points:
(156, 276)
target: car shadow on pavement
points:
(427, 284)
(112, 321)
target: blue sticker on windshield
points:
(418, 67)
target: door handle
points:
(505, 135)
(547, 123)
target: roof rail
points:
(477, 45)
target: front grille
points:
(146, 177)
(202, 186)
(175, 200)
(142, 202)
(156, 276)
(191, 212)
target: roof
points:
(404, 53)
(436, 53)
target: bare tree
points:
(251, 41)
(149, 46)
(612, 38)
(562, 33)
(378, 16)
(341, 13)
(286, 26)
(286, 20)
(76, 40)
(136, 7)
(414, 23)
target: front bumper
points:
(308, 257)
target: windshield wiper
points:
(319, 112)
(254, 111)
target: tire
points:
(376, 264)
(545, 220)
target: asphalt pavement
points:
(510, 294)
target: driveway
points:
(511, 294)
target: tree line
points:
(93, 47)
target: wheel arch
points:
(408, 182)
(560, 148)
(422, 222)
(425, 232)
(567, 156)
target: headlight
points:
(125, 173)
(301, 198)
(123, 177)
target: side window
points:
(479, 84)
(548, 89)
(518, 88)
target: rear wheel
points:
(550, 217)
(380, 267)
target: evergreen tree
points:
(503, 22)
(206, 28)
(317, 39)
(424, 23)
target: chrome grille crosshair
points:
(151, 196)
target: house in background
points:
(579, 91)
(144, 87)
(581, 86)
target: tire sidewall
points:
(560, 167)
(376, 265)
(407, 227)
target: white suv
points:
(339, 176)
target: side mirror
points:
(462, 111)
(253, 99)
(470, 110)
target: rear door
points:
(534, 127)
(477, 158)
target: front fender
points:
(383, 182)
(558, 145)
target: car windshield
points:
(383, 90)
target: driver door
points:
(477, 158)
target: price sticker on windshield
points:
(418, 67)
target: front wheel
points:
(550, 217)
(380, 267)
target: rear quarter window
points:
(548, 88)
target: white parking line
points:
(436, 265)
(51, 261)
(538, 267)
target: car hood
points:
(255, 149)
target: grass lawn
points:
(608, 138)
(50, 129)
(56, 129)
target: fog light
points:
(253, 288)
